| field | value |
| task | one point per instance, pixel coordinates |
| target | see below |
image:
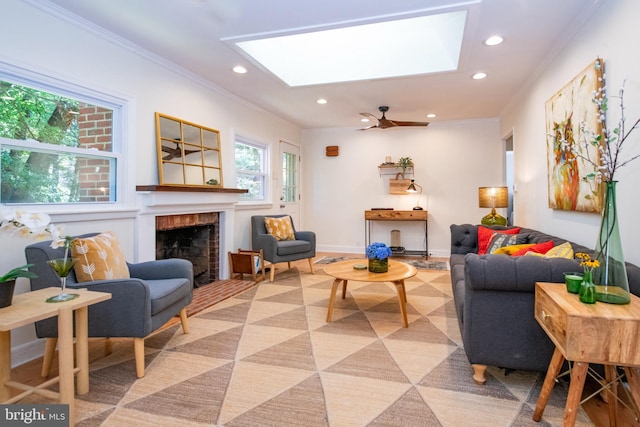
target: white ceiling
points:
(190, 33)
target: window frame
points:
(266, 170)
(120, 153)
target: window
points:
(251, 169)
(55, 146)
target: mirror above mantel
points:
(188, 153)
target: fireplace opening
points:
(194, 237)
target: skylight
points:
(426, 44)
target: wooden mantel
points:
(190, 189)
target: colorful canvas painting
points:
(565, 111)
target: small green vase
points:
(378, 265)
(587, 289)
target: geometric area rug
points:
(267, 357)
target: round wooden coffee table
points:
(343, 271)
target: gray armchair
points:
(156, 292)
(304, 245)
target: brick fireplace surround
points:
(175, 206)
(194, 237)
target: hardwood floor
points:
(596, 408)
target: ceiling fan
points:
(175, 152)
(384, 123)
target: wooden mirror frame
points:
(189, 154)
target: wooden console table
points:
(30, 307)
(601, 333)
(393, 215)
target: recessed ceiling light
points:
(321, 101)
(493, 40)
(411, 46)
(364, 120)
(431, 115)
(239, 69)
(478, 76)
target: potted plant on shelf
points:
(404, 163)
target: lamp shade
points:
(493, 197)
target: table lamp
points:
(412, 189)
(493, 197)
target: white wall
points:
(451, 161)
(49, 44)
(612, 35)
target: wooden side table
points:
(607, 334)
(31, 307)
(393, 215)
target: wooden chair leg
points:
(273, 272)
(138, 351)
(288, 264)
(311, 265)
(47, 359)
(183, 320)
(478, 373)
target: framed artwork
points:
(567, 112)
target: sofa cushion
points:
(510, 250)
(280, 228)
(99, 258)
(484, 235)
(500, 240)
(541, 248)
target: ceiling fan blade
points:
(369, 127)
(401, 123)
(167, 149)
(369, 115)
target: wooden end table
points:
(30, 307)
(343, 271)
(602, 333)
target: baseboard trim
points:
(27, 352)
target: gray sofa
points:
(494, 299)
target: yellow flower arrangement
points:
(587, 263)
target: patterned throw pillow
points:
(485, 233)
(280, 228)
(510, 250)
(499, 240)
(540, 248)
(564, 250)
(99, 258)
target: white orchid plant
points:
(33, 225)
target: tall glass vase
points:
(611, 277)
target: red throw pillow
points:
(541, 248)
(484, 235)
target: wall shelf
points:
(392, 169)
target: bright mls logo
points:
(34, 415)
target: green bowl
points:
(573, 279)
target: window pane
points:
(250, 170)
(48, 177)
(42, 140)
(288, 177)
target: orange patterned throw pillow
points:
(280, 228)
(99, 258)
